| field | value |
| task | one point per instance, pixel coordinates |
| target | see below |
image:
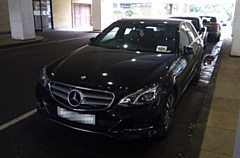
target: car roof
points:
(208, 16)
(154, 20)
(181, 16)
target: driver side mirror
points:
(91, 40)
(188, 50)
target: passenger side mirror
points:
(91, 40)
(188, 50)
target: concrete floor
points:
(220, 134)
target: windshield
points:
(139, 37)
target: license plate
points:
(76, 117)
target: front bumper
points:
(115, 122)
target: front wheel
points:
(167, 115)
(218, 38)
(205, 43)
(198, 74)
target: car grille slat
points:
(60, 88)
(92, 102)
(60, 95)
(97, 96)
(91, 99)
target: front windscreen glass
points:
(147, 37)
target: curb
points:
(15, 43)
(195, 143)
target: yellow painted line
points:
(16, 120)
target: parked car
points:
(213, 26)
(126, 82)
(198, 24)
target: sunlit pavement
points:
(209, 59)
(221, 138)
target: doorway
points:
(42, 14)
(81, 15)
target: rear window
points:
(208, 19)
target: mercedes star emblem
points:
(74, 97)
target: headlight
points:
(44, 80)
(142, 96)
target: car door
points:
(197, 44)
(188, 61)
(197, 41)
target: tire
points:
(197, 75)
(205, 43)
(167, 115)
(218, 38)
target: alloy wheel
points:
(169, 109)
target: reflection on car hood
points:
(110, 68)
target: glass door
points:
(42, 14)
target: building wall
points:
(236, 31)
(62, 14)
(82, 1)
(4, 17)
(102, 11)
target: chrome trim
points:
(60, 91)
(74, 97)
(139, 129)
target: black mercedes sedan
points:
(126, 82)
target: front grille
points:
(91, 99)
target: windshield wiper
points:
(110, 47)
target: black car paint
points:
(92, 62)
(172, 71)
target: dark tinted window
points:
(192, 31)
(152, 37)
(194, 21)
(195, 24)
(184, 37)
(207, 19)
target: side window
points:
(195, 24)
(184, 39)
(111, 34)
(192, 30)
(127, 31)
(192, 38)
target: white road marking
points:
(44, 43)
(70, 39)
(16, 120)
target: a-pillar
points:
(235, 51)
(21, 19)
(102, 14)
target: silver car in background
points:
(213, 26)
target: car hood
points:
(103, 68)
